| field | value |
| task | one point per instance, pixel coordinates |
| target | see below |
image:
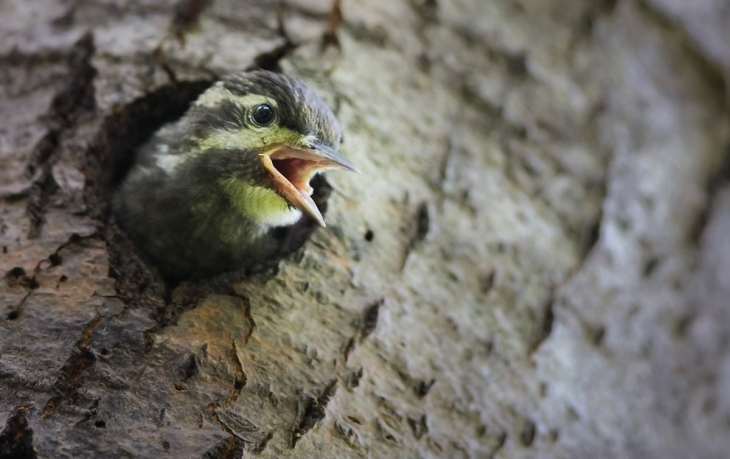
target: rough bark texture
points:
(535, 261)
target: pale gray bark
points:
(535, 261)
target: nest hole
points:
(110, 159)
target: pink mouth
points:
(291, 171)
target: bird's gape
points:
(297, 171)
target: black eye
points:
(263, 114)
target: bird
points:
(208, 192)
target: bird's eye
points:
(263, 114)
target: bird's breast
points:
(261, 205)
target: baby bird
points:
(206, 193)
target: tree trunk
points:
(534, 262)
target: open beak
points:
(293, 168)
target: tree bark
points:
(533, 263)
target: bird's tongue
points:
(298, 172)
(291, 176)
(291, 170)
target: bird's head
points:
(263, 136)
